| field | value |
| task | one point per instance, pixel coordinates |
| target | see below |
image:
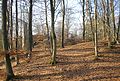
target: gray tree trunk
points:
(53, 36)
(108, 24)
(118, 29)
(104, 14)
(96, 40)
(46, 18)
(113, 19)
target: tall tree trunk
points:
(96, 41)
(63, 20)
(11, 29)
(30, 30)
(9, 71)
(118, 29)
(104, 14)
(108, 24)
(113, 19)
(90, 11)
(17, 57)
(83, 9)
(46, 18)
(21, 28)
(53, 36)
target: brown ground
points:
(75, 63)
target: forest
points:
(59, 40)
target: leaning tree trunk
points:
(53, 36)
(9, 71)
(30, 30)
(63, 20)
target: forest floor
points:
(75, 63)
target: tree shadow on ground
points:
(77, 50)
(70, 74)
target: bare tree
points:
(53, 36)
(113, 19)
(83, 9)
(96, 41)
(11, 29)
(63, 20)
(30, 30)
(108, 24)
(118, 29)
(17, 57)
(46, 17)
(9, 71)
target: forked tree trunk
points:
(53, 36)
(9, 71)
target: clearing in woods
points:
(75, 63)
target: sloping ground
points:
(75, 63)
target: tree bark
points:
(11, 29)
(113, 19)
(108, 24)
(9, 71)
(63, 20)
(53, 36)
(17, 57)
(118, 29)
(104, 14)
(83, 9)
(96, 41)
(46, 18)
(30, 30)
